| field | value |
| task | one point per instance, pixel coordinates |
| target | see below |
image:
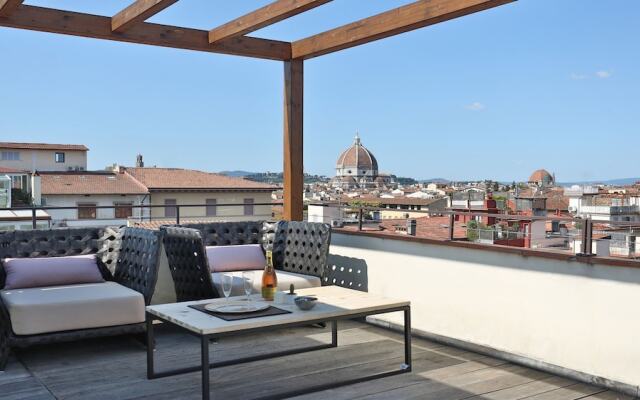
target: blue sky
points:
(498, 94)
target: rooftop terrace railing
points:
(566, 233)
(133, 214)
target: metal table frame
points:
(206, 365)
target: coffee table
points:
(334, 304)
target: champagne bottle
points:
(269, 279)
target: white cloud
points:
(476, 106)
(603, 74)
(578, 77)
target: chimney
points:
(139, 162)
(411, 227)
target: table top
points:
(333, 302)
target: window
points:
(248, 206)
(212, 209)
(170, 211)
(59, 157)
(10, 156)
(87, 211)
(123, 210)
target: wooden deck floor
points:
(115, 368)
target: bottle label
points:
(268, 292)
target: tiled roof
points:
(42, 146)
(178, 178)
(436, 228)
(89, 183)
(5, 170)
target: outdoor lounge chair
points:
(300, 252)
(127, 259)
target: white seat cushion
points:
(285, 279)
(66, 308)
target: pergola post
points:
(293, 173)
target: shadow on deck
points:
(115, 368)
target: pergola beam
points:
(139, 11)
(293, 171)
(270, 14)
(93, 26)
(402, 19)
(8, 6)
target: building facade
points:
(33, 157)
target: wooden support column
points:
(293, 179)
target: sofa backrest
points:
(128, 256)
(300, 247)
(229, 233)
(61, 242)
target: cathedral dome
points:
(541, 177)
(357, 158)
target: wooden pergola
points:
(231, 38)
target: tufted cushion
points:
(50, 271)
(235, 258)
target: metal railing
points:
(176, 209)
(578, 238)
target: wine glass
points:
(227, 283)
(247, 279)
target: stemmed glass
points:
(227, 283)
(247, 279)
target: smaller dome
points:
(541, 176)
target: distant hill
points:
(435, 180)
(237, 173)
(614, 182)
(271, 177)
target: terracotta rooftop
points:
(89, 183)
(436, 228)
(5, 170)
(42, 146)
(178, 178)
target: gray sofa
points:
(300, 254)
(128, 261)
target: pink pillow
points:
(25, 273)
(235, 258)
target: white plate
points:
(236, 307)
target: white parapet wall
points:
(551, 310)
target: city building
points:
(33, 157)
(357, 168)
(214, 193)
(600, 205)
(85, 192)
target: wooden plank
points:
(8, 6)
(270, 14)
(293, 176)
(139, 11)
(402, 19)
(98, 27)
(572, 392)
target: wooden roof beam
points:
(270, 14)
(99, 27)
(402, 19)
(139, 11)
(8, 6)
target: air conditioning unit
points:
(337, 223)
(572, 209)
